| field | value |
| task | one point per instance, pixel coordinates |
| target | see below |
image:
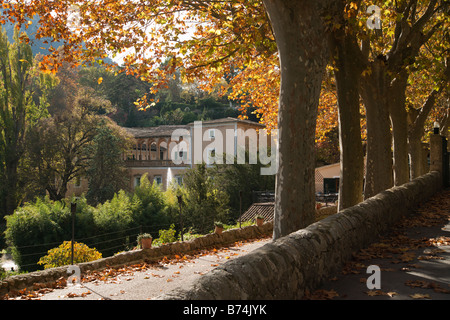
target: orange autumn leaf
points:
(420, 296)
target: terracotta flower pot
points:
(218, 230)
(146, 243)
(259, 222)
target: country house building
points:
(164, 153)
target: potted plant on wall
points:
(218, 227)
(145, 240)
(259, 220)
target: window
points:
(182, 155)
(137, 181)
(211, 156)
(78, 182)
(179, 180)
(212, 133)
(158, 179)
(179, 154)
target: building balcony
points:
(153, 163)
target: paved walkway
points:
(146, 281)
(414, 261)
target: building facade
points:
(164, 153)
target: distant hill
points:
(38, 46)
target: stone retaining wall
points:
(228, 237)
(287, 267)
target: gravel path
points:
(146, 282)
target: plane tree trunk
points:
(302, 45)
(379, 154)
(348, 65)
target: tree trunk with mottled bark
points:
(347, 74)
(379, 154)
(399, 121)
(302, 45)
(416, 131)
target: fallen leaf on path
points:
(391, 294)
(334, 279)
(373, 293)
(426, 285)
(407, 257)
(420, 296)
(433, 251)
(157, 275)
(430, 258)
(418, 284)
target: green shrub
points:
(152, 207)
(62, 255)
(204, 202)
(115, 214)
(114, 221)
(166, 236)
(190, 235)
(35, 228)
(236, 226)
(38, 226)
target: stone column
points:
(158, 143)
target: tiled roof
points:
(259, 209)
(150, 132)
(166, 131)
(229, 120)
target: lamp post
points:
(436, 127)
(180, 203)
(240, 207)
(73, 210)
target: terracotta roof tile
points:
(265, 209)
(150, 132)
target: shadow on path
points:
(414, 260)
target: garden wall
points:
(287, 267)
(228, 237)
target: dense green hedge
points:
(110, 227)
(35, 228)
